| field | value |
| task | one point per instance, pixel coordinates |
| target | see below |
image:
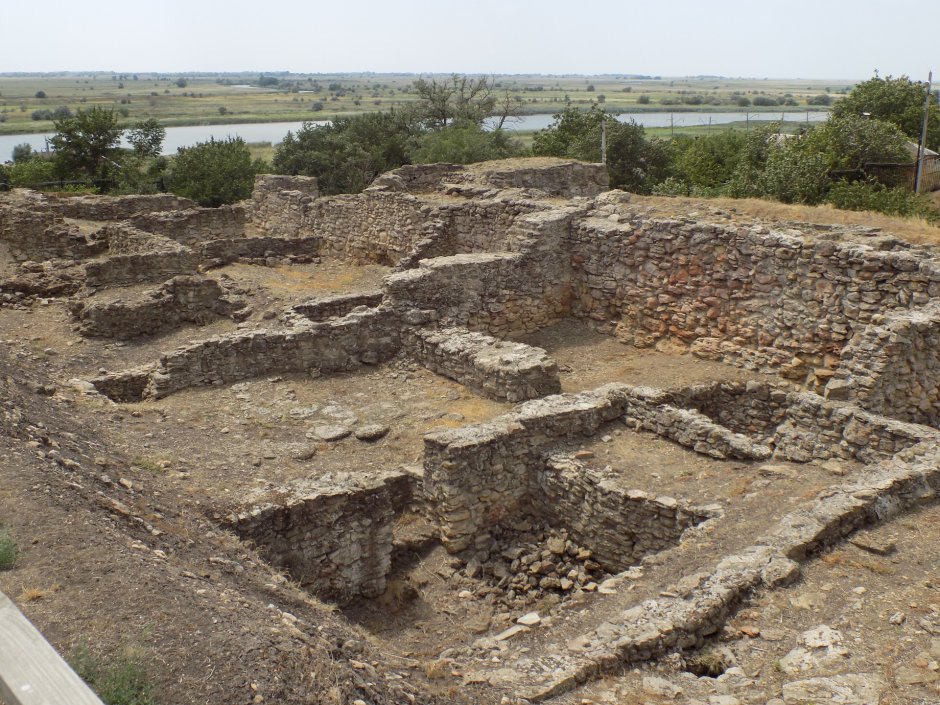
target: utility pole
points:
(604, 139)
(922, 145)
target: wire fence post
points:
(922, 145)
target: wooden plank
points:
(31, 671)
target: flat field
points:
(202, 99)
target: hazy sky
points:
(798, 38)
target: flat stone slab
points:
(371, 432)
(847, 689)
(330, 433)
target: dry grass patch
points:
(35, 594)
(914, 230)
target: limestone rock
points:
(371, 432)
(847, 689)
(330, 433)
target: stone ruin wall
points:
(893, 365)
(194, 226)
(135, 256)
(192, 299)
(620, 526)
(496, 369)
(338, 305)
(501, 293)
(366, 337)
(36, 233)
(478, 476)
(743, 295)
(335, 540)
(277, 202)
(114, 208)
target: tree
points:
(86, 144)
(40, 95)
(708, 161)
(146, 137)
(896, 100)
(22, 152)
(213, 173)
(458, 99)
(349, 153)
(801, 168)
(465, 144)
(633, 162)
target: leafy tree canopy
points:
(213, 173)
(146, 137)
(465, 144)
(896, 100)
(348, 154)
(633, 162)
(86, 144)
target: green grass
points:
(198, 102)
(124, 681)
(7, 550)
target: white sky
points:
(750, 38)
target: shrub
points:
(465, 144)
(31, 173)
(643, 100)
(7, 550)
(22, 152)
(872, 196)
(634, 163)
(213, 173)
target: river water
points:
(274, 132)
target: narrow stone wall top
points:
(557, 177)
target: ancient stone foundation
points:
(334, 536)
(497, 369)
(842, 324)
(181, 299)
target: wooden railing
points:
(31, 671)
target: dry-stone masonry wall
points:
(555, 177)
(333, 534)
(259, 250)
(324, 307)
(115, 208)
(893, 365)
(502, 293)
(818, 429)
(746, 295)
(479, 476)
(194, 226)
(618, 524)
(497, 369)
(181, 299)
(362, 337)
(753, 408)
(136, 256)
(278, 202)
(33, 232)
